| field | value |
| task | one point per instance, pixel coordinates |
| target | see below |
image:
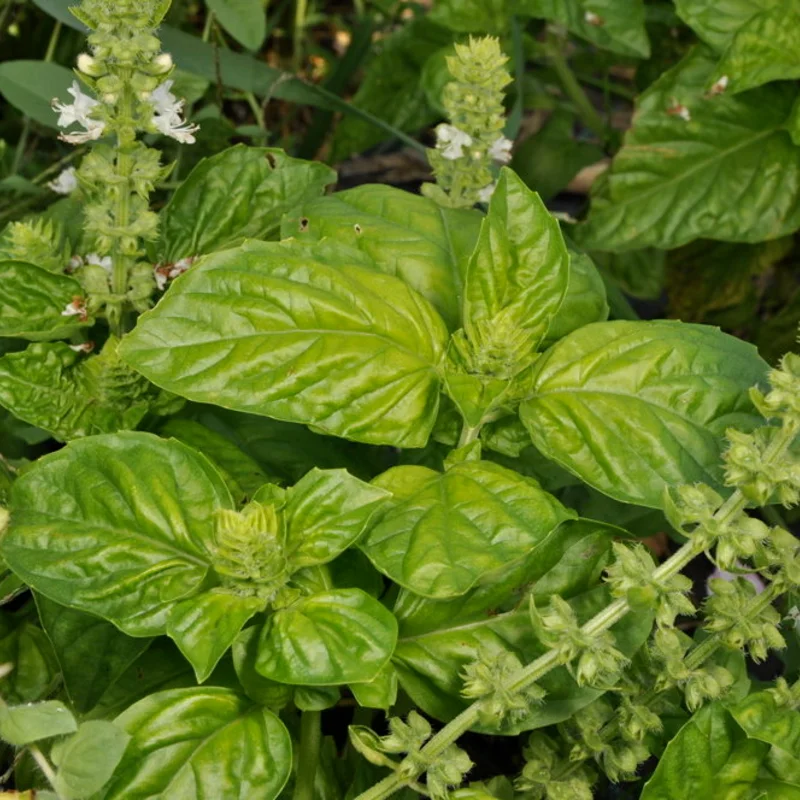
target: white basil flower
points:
(452, 141)
(78, 111)
(65, 183)
(105, 262)
(485, 194)
(500, 151)
(167, 114)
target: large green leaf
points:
(729, 172)
(634, 407)
(473, 16)
(335, 637)
(316, 337)
(71, 395)
(519, 272)
(451, 530)
(31, 86)
(116, 525)
(766, 48)
(607, 23)
(430, 665)
(240, 193)
(403, 234)
(33, 301)
(21, 725)
(245, 20)
(710, 757)
(762, 717)
(201, 743)
(92, 653)
(716, 21)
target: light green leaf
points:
(403, 234)
(761, 717)
(606, 23)
(31, 86)
(315, 339)
(710, 757)
(245, 20)
(330, 638)
(33, 300)
(584, 302)
(380, 692)
(92, 653)
(452, 530)
(326, 511)
(71, 395)
(21, 725)
(86, 761)
(519, 272)
(201, 743)
(315, 698)
(657, 398)
(766, 48)
(729, 172)
(205, 626)
(240, 193)
(265, 692)
(717, 21)
(117, 526)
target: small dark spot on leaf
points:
(303, 224)
(358, 229)
(271, 159)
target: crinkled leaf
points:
(87, 760)
(314, 339)
(117, 526)
(429, 665)
(520, 268)
(92, 653)
(30, 86)
(205, 626)
(614, 26)
(633, 407)
(766, 48)
(711, 756)
(21, 725)
(716, 21)
(456, 528)
(245, 20)
(335, 637)
(32, 301)
(761, 717)
(240, 193)
(264, 691)
(326, 511)
(402, 234)
(71, 395)
(729, 172)
(201, 743)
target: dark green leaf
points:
(35, 671)
(473, 16)
(639, 273)
(31, 86)
(264, 691)
(245, 20)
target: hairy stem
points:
(44, 765)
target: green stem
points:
(51, 45)
(44, 766)
(207, 27)
(468, 435)
(300, 14)
(573, 89)
(308, 757)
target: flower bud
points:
(90, 66)
(161, 64)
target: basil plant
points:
(366, 451)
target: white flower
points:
(105, 262)
(452, 141)
(500, 151)
(85, 347)
(485, 194)
(593, 19)
(65, 183)
(77, 308)
(78, 111)
(167, 110)
(167, 272)
(719, 86)
(679, 110)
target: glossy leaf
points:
(711, 757)
(380, 692)
(201, 743)
(606, 23)
(21, 725)
(264, 691)
(33, 300)
(453, 529)
(240, 193)
(761, 717)
(326, 511)
(729, 172)
(315, 339)
(519, 271)
(403, 234)
(717, 21)
(117, 526)
(87, 759)
(245, 20)
(27, 647)
(340, 636)
(764, 49)
(92, 653)
(30, 86)
(656, 396)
